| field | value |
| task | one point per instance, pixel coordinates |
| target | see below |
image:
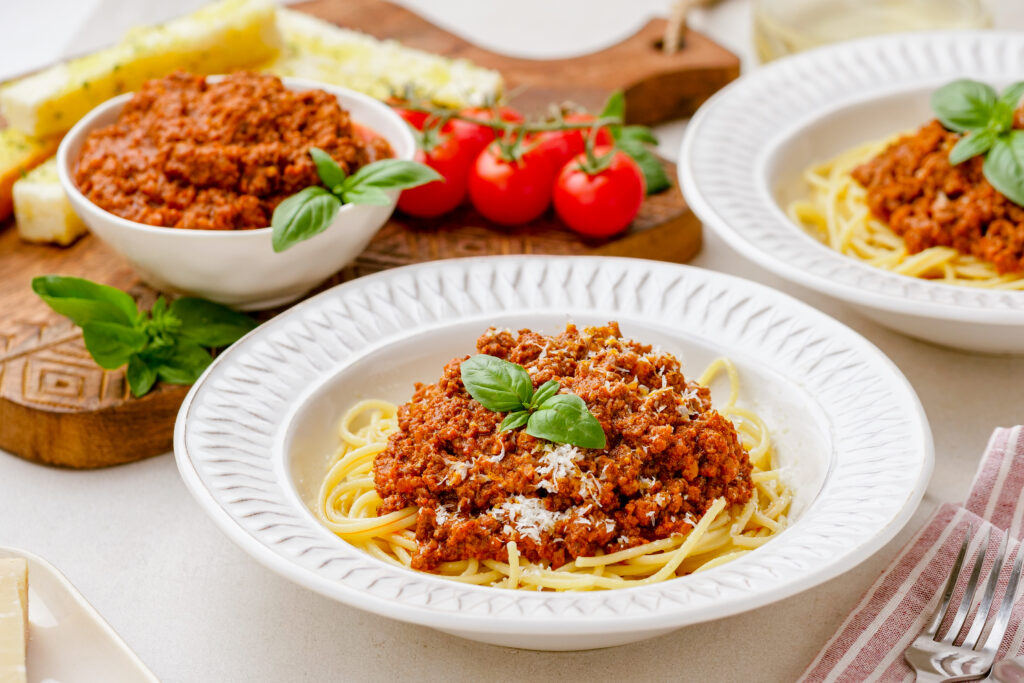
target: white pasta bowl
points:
(238, 268)
(254, 435)
(745, 150)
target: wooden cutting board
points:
(58, 407)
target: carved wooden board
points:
(58, 407)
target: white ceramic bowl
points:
(744, 151)
(237, 268)
(254, 435)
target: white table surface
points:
(196, 608)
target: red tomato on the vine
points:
(602, 204)
(416, 119)
(563, 145)
(473, 137)
(511, 192)
(436, 198)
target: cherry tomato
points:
(511, 192)
(472, 137)
(603, 204)
(413, 118)
(563, 145)
(436, 198)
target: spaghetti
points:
(838, 214)
(348, 504)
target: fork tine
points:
(980, 617)
(969, 590)
(940, 611)
(995, 636)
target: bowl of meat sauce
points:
(182, 178)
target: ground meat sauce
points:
(668, 456)
(187, 153)
(913, 187)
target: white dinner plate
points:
(254, 434)
(69, 642)
(744, 152)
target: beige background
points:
(196, 608)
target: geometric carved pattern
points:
(228, 445)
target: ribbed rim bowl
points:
(231, 437)
(732, 143)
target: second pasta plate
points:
(746, 155)
(839, 467)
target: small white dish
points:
(254, 434)
(237, 267)
(69, 642)
(744, 152)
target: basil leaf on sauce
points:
(971, 145)
(1004, 166)
(327, 168)
(514, 420)
(565, 419)
(111, 344)
(544, 392)
(496, 384)
(140, 376)
(84, 301)
(1012, 94)
(388, 174)
(303, 215)
(964, 105)
(208, 323)
(373, 196)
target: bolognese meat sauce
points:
(668, 456)
(914, 188)
(189, 153)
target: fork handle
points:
(928, 677)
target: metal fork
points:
(935, 659)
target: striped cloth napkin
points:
(869, 645)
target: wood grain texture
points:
(658, 86)
(57, 407)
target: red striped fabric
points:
(869, 645)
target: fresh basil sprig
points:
(310, 211)
(635, 141)
(506, 387)
(169, 342)
(986, 120)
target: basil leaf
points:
(1012, 94)
(303, 215)
(327, 168)
(654, 174)
(564, 418)
(389, 174)
(210, 324)
(514, 420)
(112, 344)
(964, 105)
(544, 392)
(181, 363)
(83, 301)
(373, 196)
(638, 133)
(1004, 166)
(971, 145)
(497, 384)
(615, 105)
(140, 376)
